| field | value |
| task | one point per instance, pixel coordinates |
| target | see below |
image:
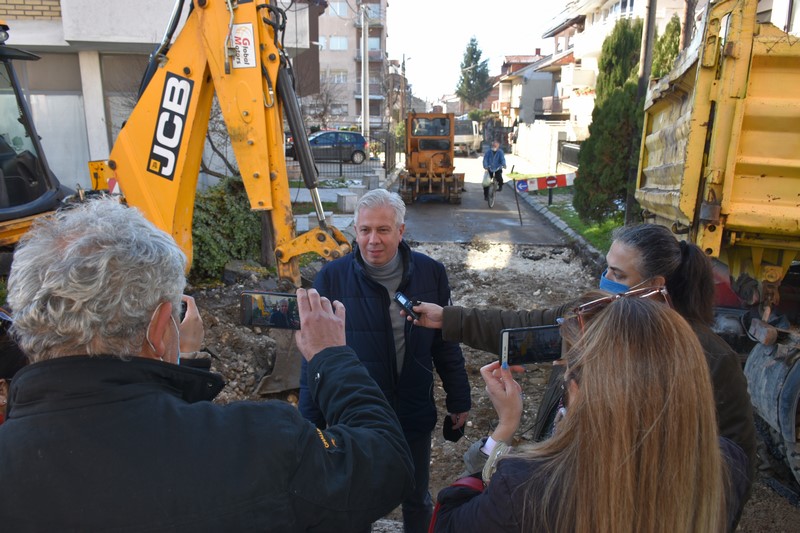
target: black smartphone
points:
(522, 346)
(406, 304)
(269, 309)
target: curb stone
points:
(586, 251)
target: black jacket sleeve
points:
(358, 469)
(308, 408)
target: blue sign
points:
(522, 185)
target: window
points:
(338, 109)
(338, 43)
(374, 11)
(338, 9)
(322, 43)
(337, 76)
(374, 43)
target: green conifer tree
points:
(607, 156)
(666, 48)
(473, 85)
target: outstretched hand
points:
(430, 315)
(321, 323)
(506, 396)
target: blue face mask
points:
(614, 287)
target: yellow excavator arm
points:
(231, 49)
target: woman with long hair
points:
(643, 255)
(637, 450)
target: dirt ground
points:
(480, 274)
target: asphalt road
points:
(432, 220)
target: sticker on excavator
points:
(169, 128)
(243, 43)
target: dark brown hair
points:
(686, 269)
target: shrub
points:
(224, 229)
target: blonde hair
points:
(638, 450)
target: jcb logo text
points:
(170, 125)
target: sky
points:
(434, 34)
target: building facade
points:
(92, 60)
(343, 54)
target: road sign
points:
(552, 181)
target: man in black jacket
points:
(105, 430)
(399, 356)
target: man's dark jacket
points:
(369, 333)
(102, 444)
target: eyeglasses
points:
(589, 309)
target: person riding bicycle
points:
(494, 161)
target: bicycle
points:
(491, 193)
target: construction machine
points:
(27, 186)
(228, 48)
(720, 165)
(430, 156)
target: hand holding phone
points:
(407, 304)
(269, 309)
(522, 346)
(324, 321)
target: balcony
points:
(572, 76)
(376, 16)
(376, 92)
(374, 55)
(504, 108)
(589, 42)
(551, 105)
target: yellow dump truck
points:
(720, 165)
(430, 156)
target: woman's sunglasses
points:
(589, 309)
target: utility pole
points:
(364, 73)
(403, 90)
(645, 66)
(688, 25)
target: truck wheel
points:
(358, 157)
(777, 460)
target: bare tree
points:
(320, 106)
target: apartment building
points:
(341, 59)
(516, 87)
(561, 119)
(92, 58)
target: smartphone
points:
(522, 346)
(406, 304)
(269, 309)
